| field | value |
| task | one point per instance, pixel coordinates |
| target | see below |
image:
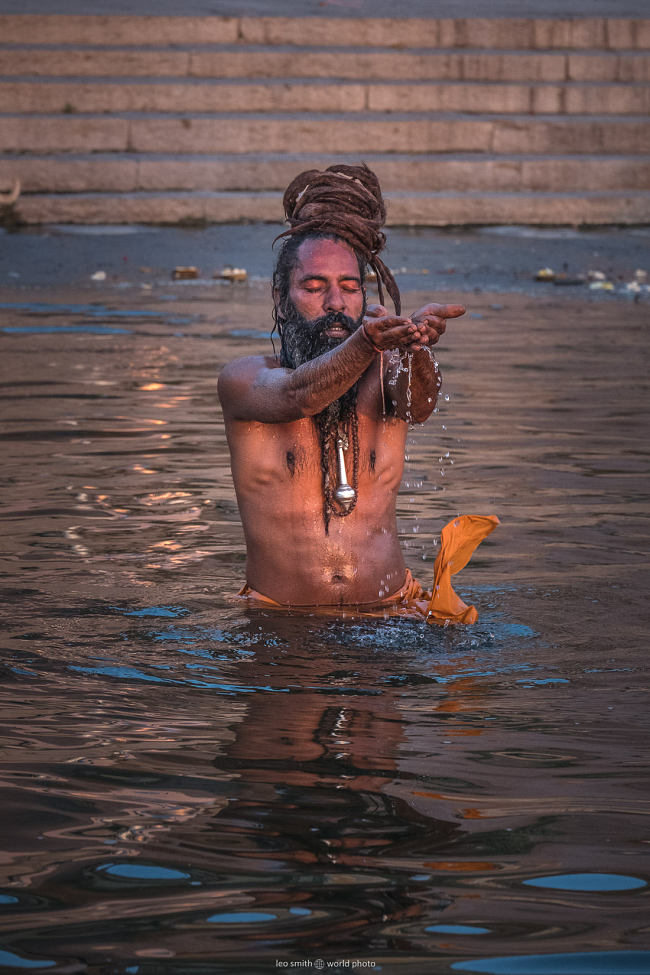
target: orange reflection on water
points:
(173, 497)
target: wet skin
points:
(275, 452)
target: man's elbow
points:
(420, 416)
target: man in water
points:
(334, 406)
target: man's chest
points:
(299, 451)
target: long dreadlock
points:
(342, 203)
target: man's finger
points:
(396, 336)
(392, 321)
(452, 311)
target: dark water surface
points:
(189, 786)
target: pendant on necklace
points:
(345, 493)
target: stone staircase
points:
(127, 119)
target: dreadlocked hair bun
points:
(346, 202)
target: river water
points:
(191, 786)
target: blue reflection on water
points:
(130, 673)
(244, 917)
(141, 871)
(93, 310)
(457, 929)
(9, 960)
(53, 329)
(171, 612)
(587, 881)
(579, 963)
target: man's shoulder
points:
(247, 367)
(238, 376)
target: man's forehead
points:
(324, 256)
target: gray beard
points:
(303, 341)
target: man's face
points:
(325, 281)
(326, 301)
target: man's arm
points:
(412, 376)
(257, 388)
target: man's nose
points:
(334, 298)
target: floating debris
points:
(563, 278)
(596, 276)
(232, 273)
(185, 273)
(601, 286)
(98, 276)
(545, 274)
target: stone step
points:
(65, 173)
(535, 34)
(428, 209)
(172, 95)
(258, 62)
(411, 133)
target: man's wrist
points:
(364, 332)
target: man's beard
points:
(303, 340)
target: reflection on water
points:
(189, 785)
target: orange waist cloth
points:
(458, 540)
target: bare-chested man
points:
(347, 382)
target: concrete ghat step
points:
(259, 62)
(429, 209)
(306, 133)
(105, 172)
(539, 34)
(171, 95)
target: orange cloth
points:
(458, 540)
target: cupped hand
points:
(390, 331)
(431, 321)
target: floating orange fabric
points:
(458, 540)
